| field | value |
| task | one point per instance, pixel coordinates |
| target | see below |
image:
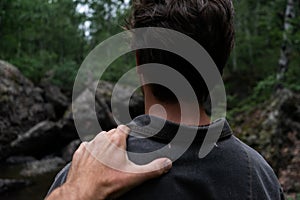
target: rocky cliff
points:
(273, 129)
(37, 128)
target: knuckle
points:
(122, 129)
(76, 155)
(116, 139)
(99, 136)
(80, 150)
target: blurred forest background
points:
(53, 37)
(49, 39)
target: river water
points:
(35, 191)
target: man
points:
(232, 170)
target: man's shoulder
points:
(262, 178)
(231, 162)
(253, 157)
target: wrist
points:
(81, 192)
(66, 192)
(73, 192)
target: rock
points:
(42, 166)
(40, 140)
(67, 127)
(68, 151)
(82, 109)
(289, 177)
(273, 129)
(35, 122)
(123, 93)
(102, 108)
(19, 159)
(54, 96)
(21, 106)
(12, 184)
(47, 136)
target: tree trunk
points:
(286, 44)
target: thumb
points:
(153, 169)
(143, 173)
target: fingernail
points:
(124, 128)
(167, 165)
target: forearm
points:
(67, 192)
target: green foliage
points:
(264, 89)
(293, 82)
(64, 74)
(261, 92)
(39, 36)
(296, 198)
(119, 67)
(250, 77)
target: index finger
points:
(124, 130)
(118, 137)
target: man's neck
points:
(172, 112)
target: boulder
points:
(53, 95)
(102, 108)
(82, 109)
(123, 93)
(273, 129)
(40, 140)
(37, 121)
(68, 151)
(12, 184)
(43, 166)
(15, 160)
(21, 106)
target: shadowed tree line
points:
(51, 38)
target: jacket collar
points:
(160, 129)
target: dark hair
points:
(209, 22)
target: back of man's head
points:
(209, 22)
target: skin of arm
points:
(90, 179)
